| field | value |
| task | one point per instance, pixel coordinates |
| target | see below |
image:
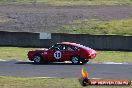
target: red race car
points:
(64, 51)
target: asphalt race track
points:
(96, 70)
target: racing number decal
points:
(57, 55)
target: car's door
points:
(55, 53)
(49, 54)
(68, 52)
(58, 53)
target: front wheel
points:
(37, 59)
(75, 59)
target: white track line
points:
(57, 77)
(2, 60)
(70, 62)
(107, 63)
(113, 63)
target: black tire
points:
(37, 59)
(75, 60)
(85, 61)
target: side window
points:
(75, 48)
(58, 47)
(55, 47)
(63, 47)
(71, 48)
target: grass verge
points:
(114, 27)
(19, 53)
(113, 56)
(17, 82)
(72, 2)
(9, 53)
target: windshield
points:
(51, 47)
(81, 46)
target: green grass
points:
(72, 2)
(9, 53)
(114, 27)
(17, 82)
(113, 56)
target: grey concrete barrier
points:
(101, 42)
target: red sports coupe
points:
(64, 51)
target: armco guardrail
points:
(103, 42)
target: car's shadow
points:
(61, 63)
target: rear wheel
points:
(37, 59)
(75, 59)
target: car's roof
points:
(75, 44)
(69, 43)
